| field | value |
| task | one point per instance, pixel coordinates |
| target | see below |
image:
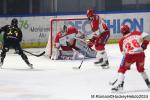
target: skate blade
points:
(98, 65)
(31, 66)
(1, 66)
(118, 91)
(101, 65)
(105, 67)
(75, 68)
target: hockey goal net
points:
(82, 24)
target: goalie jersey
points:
(62, 39)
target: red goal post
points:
(56, 24)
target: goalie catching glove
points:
(145, 44)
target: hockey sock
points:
(24, 57)
(120, 78)
(144, 75)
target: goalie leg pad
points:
(70, 55)
(55, 54)
(84, 49)
(64, 55)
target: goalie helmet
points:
(125, 29)
(64, 27)
(14, 22)
(90, 13)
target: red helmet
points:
(125, 29)
(90, 13)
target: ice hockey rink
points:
(57, 80)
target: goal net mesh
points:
(56, 25)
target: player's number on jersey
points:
(131, 45)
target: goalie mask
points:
(125, 29)
(64, 30)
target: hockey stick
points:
(83, 55)
(113, 83)
(80, 64)
(37, 55)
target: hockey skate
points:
(148, 86)
(99, 62)
(1, 63)
(104, 65)
(118, 88)
(30, 65)
(147, 83)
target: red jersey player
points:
(100, 36)
(68, 43)
(132, 46)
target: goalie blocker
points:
(69, 42)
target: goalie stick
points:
(37, 55)
(83, 56)
(80, 64)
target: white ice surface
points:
(56, 80)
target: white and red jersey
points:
(97, 25)
(131, 43)
(100, 34)
(61, 39)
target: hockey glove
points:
(145, 44)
